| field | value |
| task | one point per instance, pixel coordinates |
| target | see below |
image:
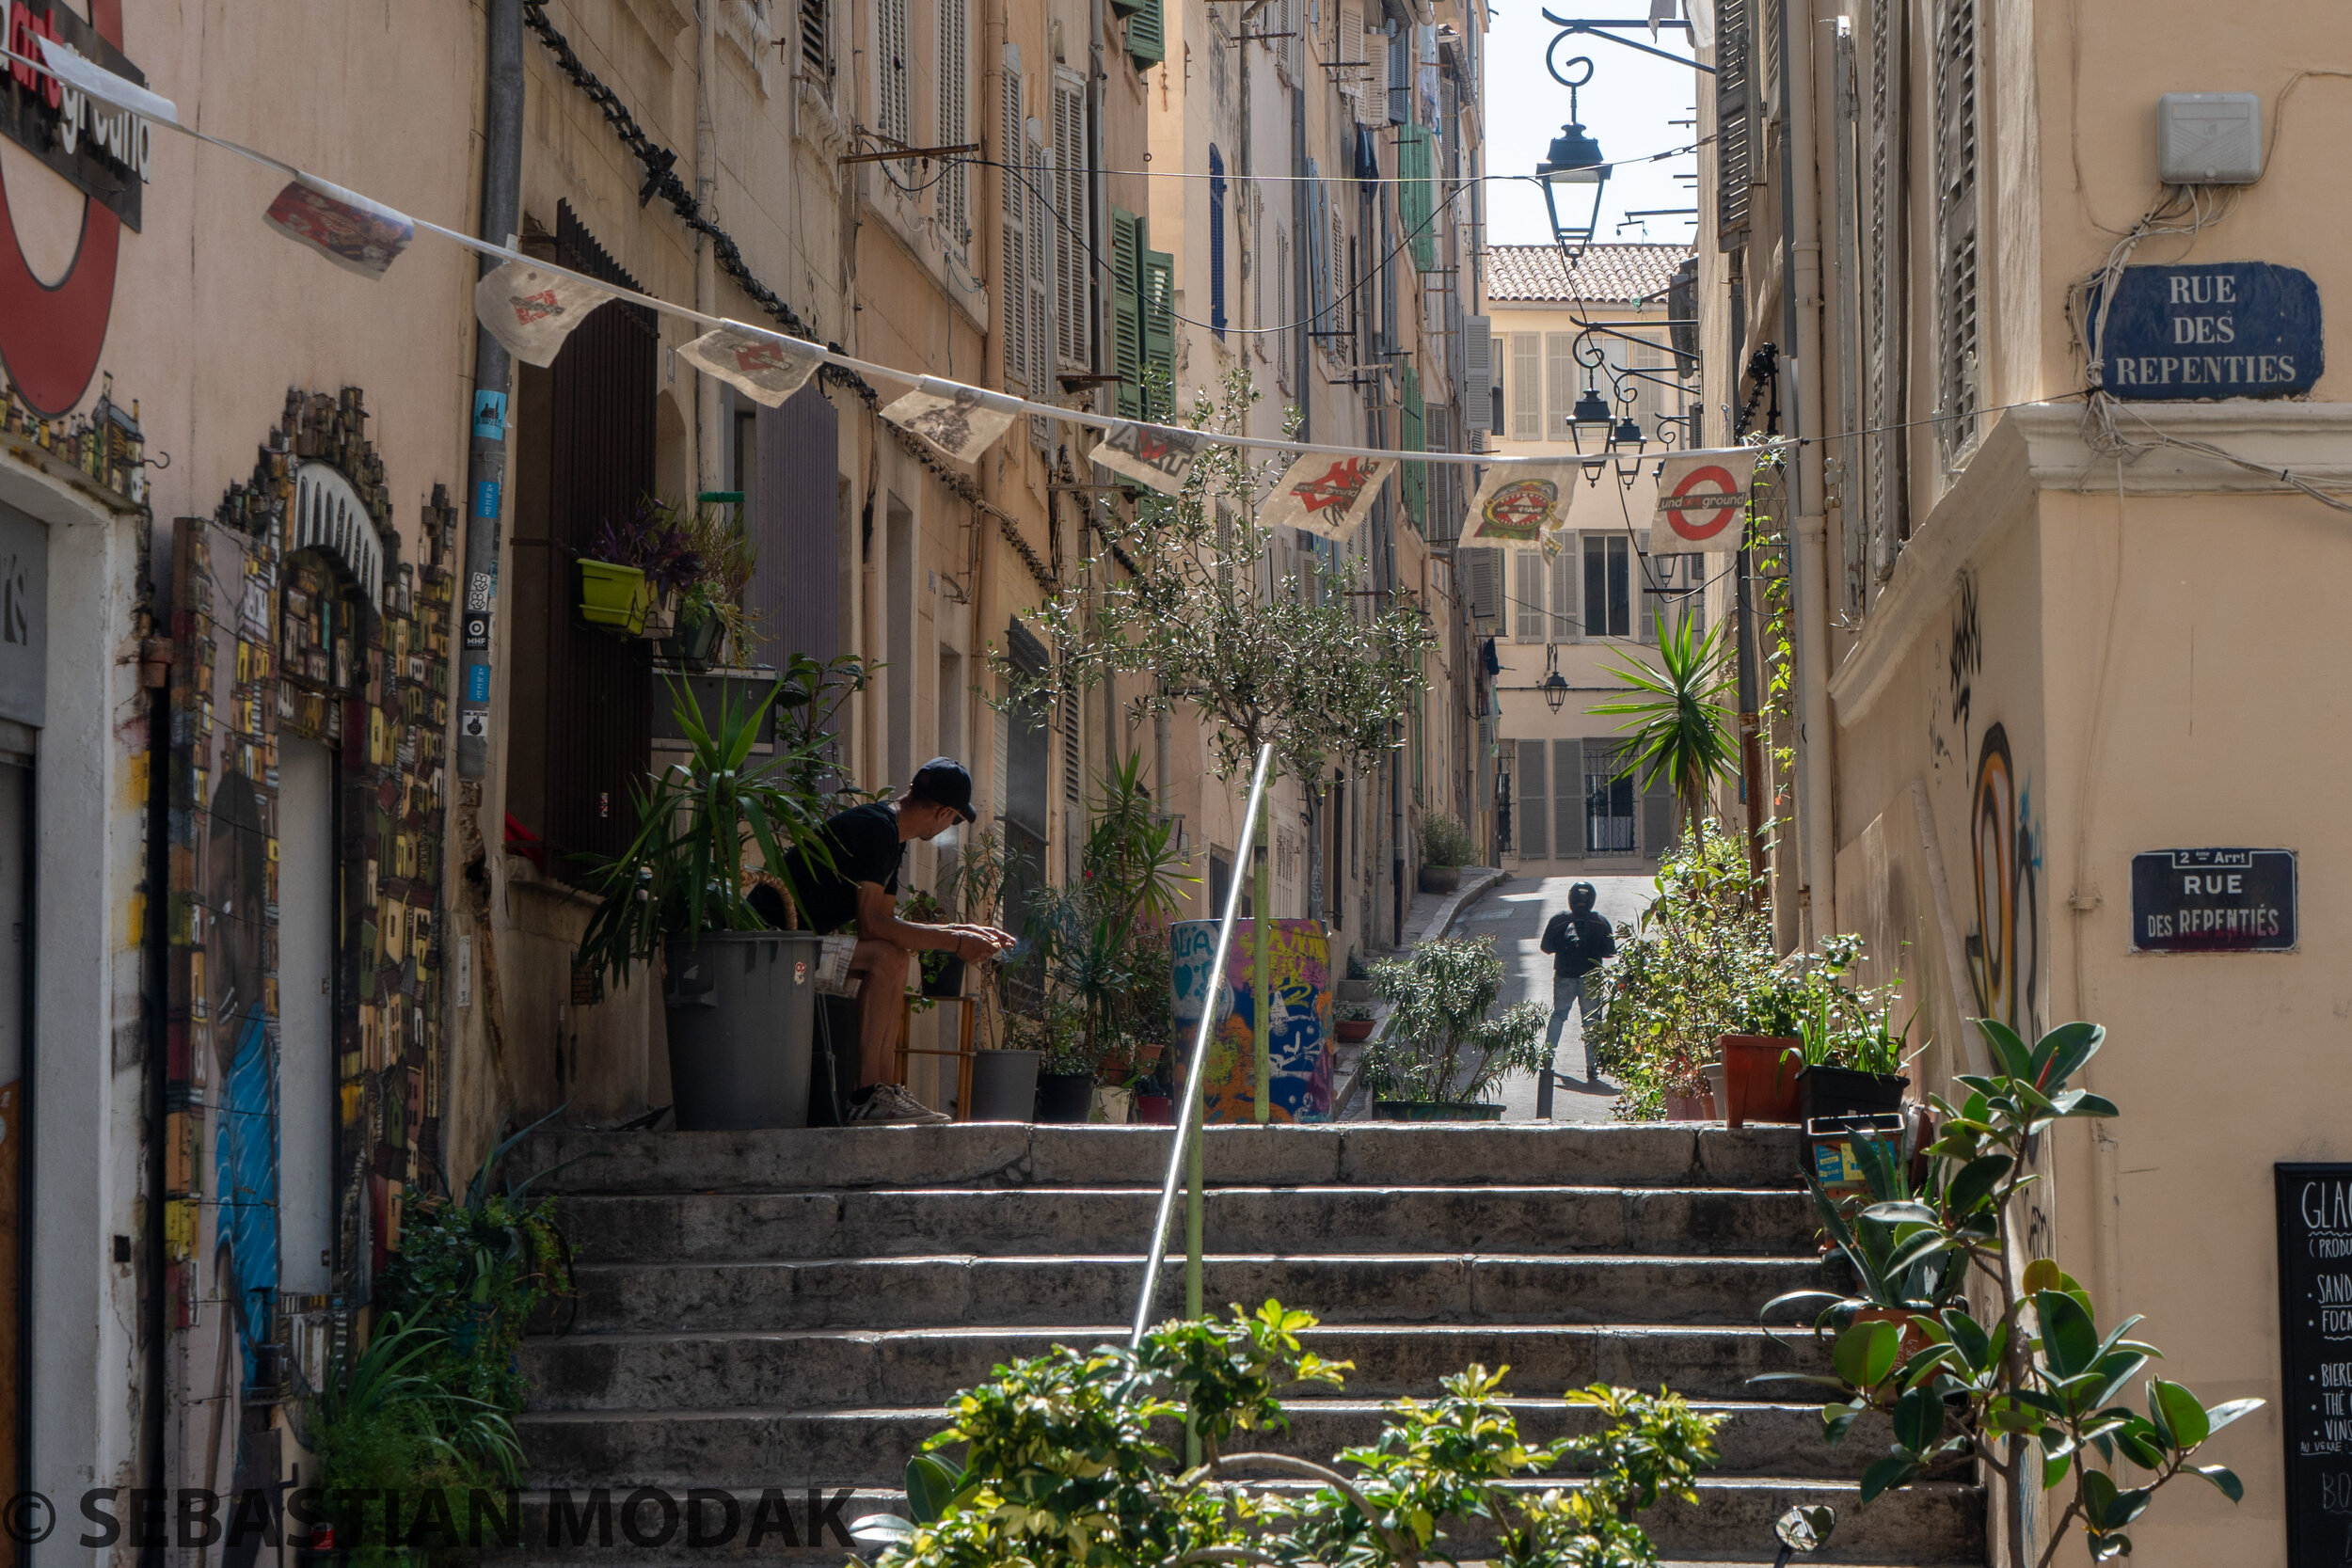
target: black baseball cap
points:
(945, 782)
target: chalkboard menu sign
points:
(2316, 1355)
(2213, 901)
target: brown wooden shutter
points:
(796, 581)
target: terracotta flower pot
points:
(1760, 1077)
(1355, 1031)
(1157, 1110)
(1689, 1107)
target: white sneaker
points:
(888, 1103)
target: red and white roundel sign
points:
(1699, 500)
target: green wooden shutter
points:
(1127, 310)
(1159, 333)
(1413, 438)
(1413, 164)
(1147, 36)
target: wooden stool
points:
(962, 1052)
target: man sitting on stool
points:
(868, 841)
(1578, 941)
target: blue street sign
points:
(2211, 330)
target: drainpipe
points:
(706, 468)
(485, 466)
(1809, 579)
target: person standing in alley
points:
(860, 888)
(1579, 942)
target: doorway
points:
(306, 940)
(16, 882)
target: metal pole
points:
(1262, 982)
(486, 425)
(1188, 1122)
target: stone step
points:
(1927, 1526)
(678, 1449)
(910, 1292)
(1016, 1154)
(843, 1369)
(900, 1221)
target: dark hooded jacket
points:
(1578, 942)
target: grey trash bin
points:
(741, 1006)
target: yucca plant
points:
(1679, 728)
(687, 871)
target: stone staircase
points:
(791, 1310)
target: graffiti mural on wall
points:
(293, 614)
(1299, 1044)
(2004, 951)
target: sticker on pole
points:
(1700, 497)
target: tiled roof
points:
(1615, 273)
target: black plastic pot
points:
(942, 976)
(1842, 1091)
(1065, 1097)
(694, 642)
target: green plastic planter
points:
(615, 596)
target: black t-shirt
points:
(866, 848)
(1578, 941)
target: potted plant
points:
(711, 622)
(640, 564)
(1355, 1023)
(1357, 986)
(1443, 1052)
(1871, 1081)
(740, 996)
(1970, 1340)
(1445, 848)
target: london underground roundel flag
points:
(1701, 498)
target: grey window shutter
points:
(1535, 841)
(1658, 817)
(1734, 118)
(1562, 572)
(1478, 379)
(1957, 369)
(1479, 570)
(1644, 578)
(795, 595)
(1883, 314)
(1527, 595)
(1567, 800)
(1399, 76)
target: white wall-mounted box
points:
(2209, 138)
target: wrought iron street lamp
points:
(1573, 165)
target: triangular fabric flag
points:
(1701, 498)
(1159, 458)
(1522, 501)
(763, 367)
(532, 310)
(1325, 494)
(960, 421)
(357, 235)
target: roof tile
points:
(1612, 273)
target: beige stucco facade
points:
(2042, 652)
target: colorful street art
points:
(1301, 1043)
(292, 613)
(2005, 950)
